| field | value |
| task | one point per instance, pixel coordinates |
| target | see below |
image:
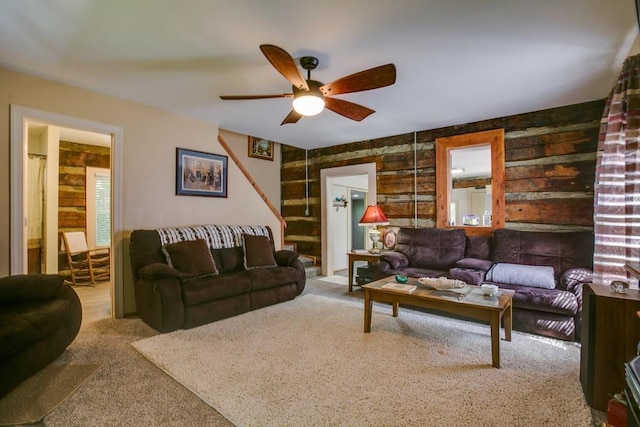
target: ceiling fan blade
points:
(239, 97)
(348, 109)
(373, 78)
(285, 64)
(293, 117)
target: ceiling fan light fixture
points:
(308, 104)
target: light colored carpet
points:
(307, 362)
(338, 280)
(33, 399)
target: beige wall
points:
(149, 152)
(264, 172)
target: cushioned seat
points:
(204, 289)
(548, 300)
(39, 317)
(271, 277)
(30, 322)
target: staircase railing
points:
(283, 223)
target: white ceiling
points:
(457, 61)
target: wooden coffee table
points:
(472, 304)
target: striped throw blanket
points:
(216, 236)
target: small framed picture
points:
(260, 148)
(200, 174)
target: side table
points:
(610, 334)
(359, 256)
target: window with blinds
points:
(98, 187)
(103, 210)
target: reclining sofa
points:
(189, 276)
(545, 269)
(39, 317)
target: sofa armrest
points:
(159, 271)
(394, 259)
(29, 287)
(572, 279)
(474, 263)
(285, 258)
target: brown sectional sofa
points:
(545, 269)
(216, 271)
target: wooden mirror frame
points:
(443, 177)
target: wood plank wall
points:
(72, 206)
(550, 170)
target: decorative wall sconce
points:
(340, 202)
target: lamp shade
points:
(373, 215)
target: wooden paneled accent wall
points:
(550, 171)
(74, 158)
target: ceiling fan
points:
(311, 96)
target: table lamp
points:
(375, 217)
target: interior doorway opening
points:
(48, 129)
(339, 220)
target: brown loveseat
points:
(190, 276)
(545, 269)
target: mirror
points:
(470, 181)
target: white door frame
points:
(20, 116)
(326, 185)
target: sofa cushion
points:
(431, 248)
(475, 263)
(191, 258)
(478, 247)
(257, 252)
(23, 324)
(272, 277)
(285, 258)
(231, 259)
(560, 250)
(209, 288)
(395, 259)
(535, 276)
(31, 287)
(543, 300)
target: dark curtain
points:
(617, 186)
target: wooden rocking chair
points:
(85, 264)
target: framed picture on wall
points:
(200, 174)
(260, 148)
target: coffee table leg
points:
(395, 309)
(507, 323)
(495, 339)
(368, 306)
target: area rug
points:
(338, 280)
(308, 362)
(33, 399)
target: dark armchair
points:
(39, 317)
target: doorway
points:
(22, 119)
(336, 237)
(358, 205)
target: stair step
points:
(313, 271)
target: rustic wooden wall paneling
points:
(74, 158)
(550, 170)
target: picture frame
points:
(260, 148)
(200, 174)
